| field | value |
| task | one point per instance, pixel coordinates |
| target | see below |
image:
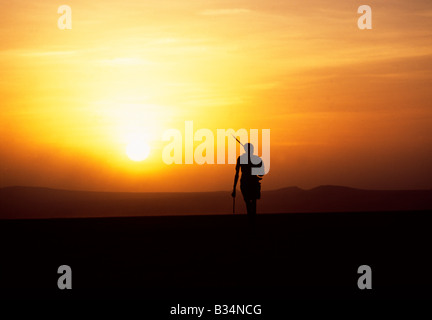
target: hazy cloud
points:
(220, 12)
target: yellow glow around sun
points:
(138, 150)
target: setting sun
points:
(138, 150)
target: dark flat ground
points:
(284, 256)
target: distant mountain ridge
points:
(36, 202)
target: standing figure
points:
(250, 185)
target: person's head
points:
(249, 148)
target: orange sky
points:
(345, 106)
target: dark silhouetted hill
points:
(32, 202)
(344, 199)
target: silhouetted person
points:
(250, 185)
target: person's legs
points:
(249, 200)
(248, 206)
(253, 206)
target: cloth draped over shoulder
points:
(250, 184)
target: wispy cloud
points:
(220, 12)
(47, 53)
(264, 86)
(125, 62)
